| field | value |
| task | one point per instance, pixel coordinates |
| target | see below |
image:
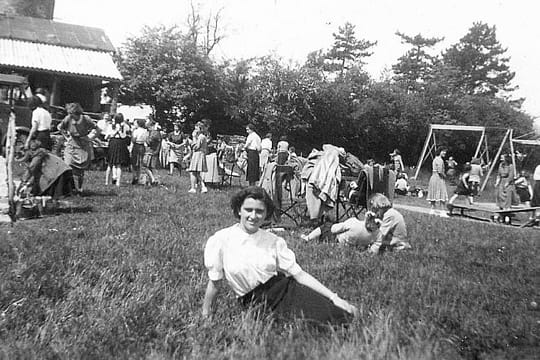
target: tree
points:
(416, 66)
(162, 68)
(204, 33)
(480, 60)
(347, 50)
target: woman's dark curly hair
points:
(253, 192)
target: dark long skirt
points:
(117, 153)
(286, 297)
(137, 155)
(44, 137)
(253, 172)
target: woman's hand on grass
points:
(343, 304)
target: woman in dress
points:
(437, 192)
(41, 124)
(117, 152)
(506, 191)
(176, 142)
(252, 147)
(261, 269)
(199, 149)
(79, 130)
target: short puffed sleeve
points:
(213, 258)
(286, 260)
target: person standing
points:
(535, 200)
(79, 130)
(176, 141)
(437, 192)
(506, 191)
(282, 150)
(41, 124)
(104, 125)
(397, 161)
(153, 144)
(266, 150)
(475, 177)
(117, 152)
(199, 149)
(139, 137)
(451, 170)
(253, 148)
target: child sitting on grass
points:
(350, 232)
(392, 232)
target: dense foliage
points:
(330, 98)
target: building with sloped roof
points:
(72, 62)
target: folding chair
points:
(288, 198)
(352, 204)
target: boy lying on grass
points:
(383, 225)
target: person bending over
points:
(261, 269)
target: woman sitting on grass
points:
(261, 269)
(392, 232)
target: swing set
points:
(482, 150)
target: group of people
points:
(510, 188)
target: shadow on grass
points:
(90, 193)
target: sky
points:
(293, 28)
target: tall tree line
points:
(329, 98)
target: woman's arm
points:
(209, 296)
(307, 280)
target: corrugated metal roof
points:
(58, 59)
(54, 33)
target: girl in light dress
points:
(437, 186)
(199, 149)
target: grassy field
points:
(121, 276)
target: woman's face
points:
(248, 130)
(443, 154)
(252, 214)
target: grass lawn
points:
(122, 277)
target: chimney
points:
(43, 9)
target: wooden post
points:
(495, 159)
(480, 143)
(10, 156)
(421, 159)
(54, 92)
(114, 101)
(512, 151)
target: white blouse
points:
(247, 260)
(253, 141)
(42, 118)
